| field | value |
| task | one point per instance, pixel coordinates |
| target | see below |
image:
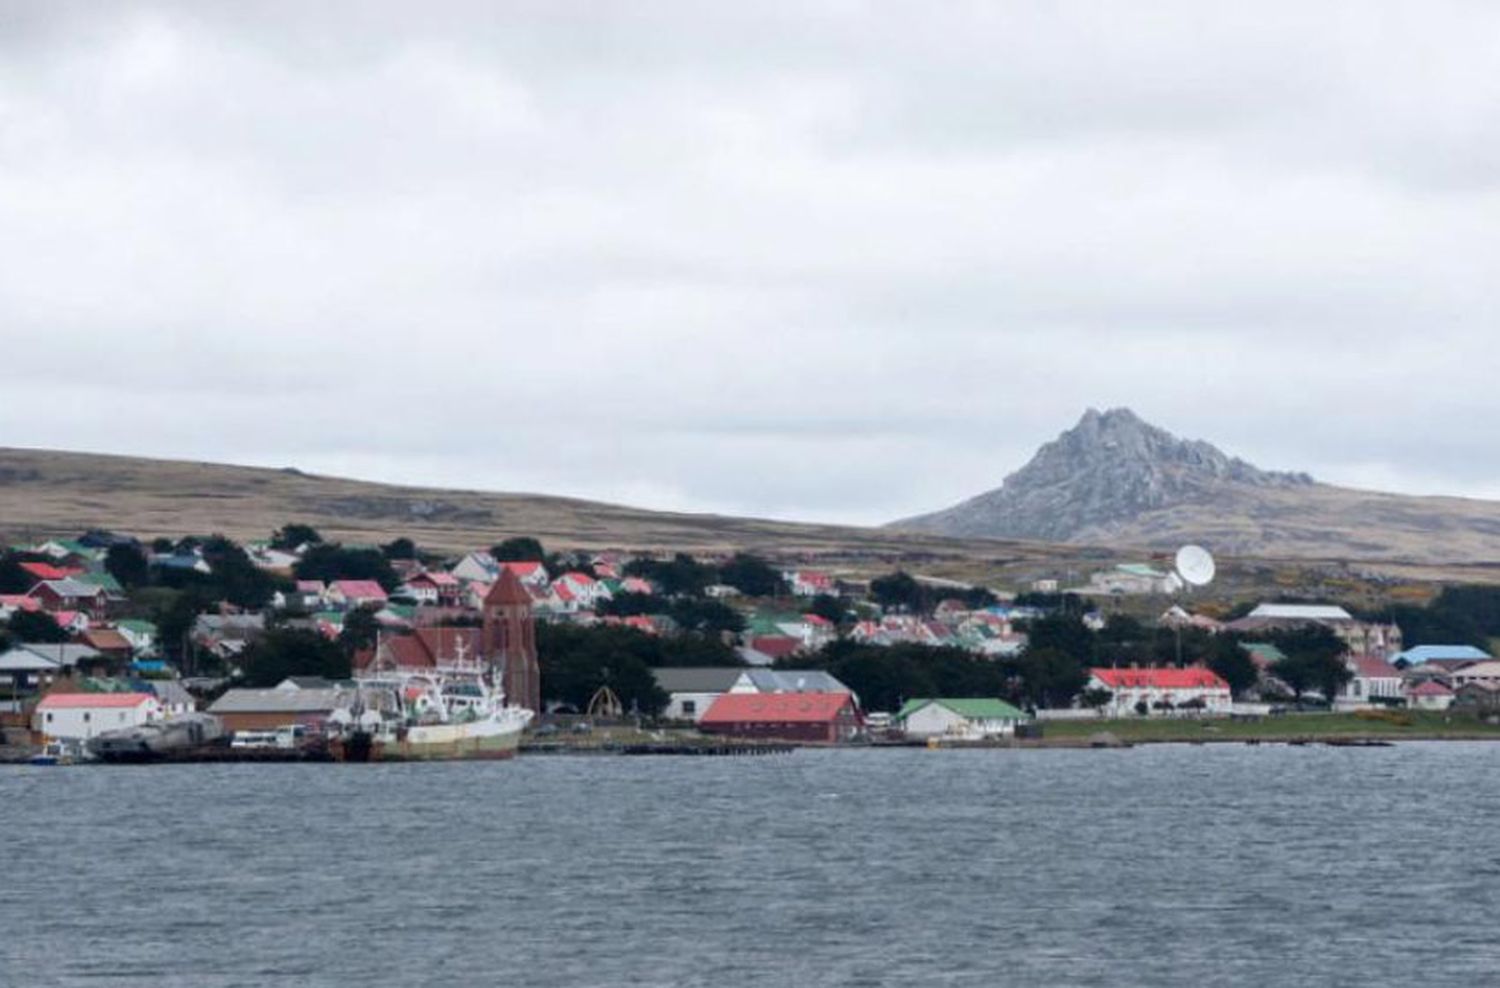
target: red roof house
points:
(817, 718)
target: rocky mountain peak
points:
(1108, 469)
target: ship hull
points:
(491, 740)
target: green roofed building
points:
(1264, 653)
(967, 719)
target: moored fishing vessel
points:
(446, 692)
(449, 713)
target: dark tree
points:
(1095, 698)
(632, 605)
(827, 607)
(752, 576)
(520, 549)
(289, 537)
(402, 548)
(235, 578)
(1233, 664)
(576, 661)
(328, 562)
(14, 579)
(976, 598)
(1062, 633)
(35, 626)
(1050, 677)
(173, 611)
(682, 574)
(707, 616)
(127, 563)
(900, 590)
(360, 630)
(283, 652)
(885, 677)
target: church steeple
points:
(509, 641)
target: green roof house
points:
(967, 719)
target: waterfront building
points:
(967, 719)
(692, 690)
(1372, 682)
(1161, 690)
(269, 709)
(80, 716)
(1429, 694)
(819, 718)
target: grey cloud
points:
(825, 260)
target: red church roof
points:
(507, 589)
(1191, 678)
(749, 708)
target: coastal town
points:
(295, 646)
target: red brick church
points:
(508, 641)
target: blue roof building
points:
(1419, 654)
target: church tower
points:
(509, 641)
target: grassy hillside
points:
(52, 493)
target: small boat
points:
(56, 752)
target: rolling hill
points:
(48, 493)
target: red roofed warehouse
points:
(1163, 691)
(818, 718)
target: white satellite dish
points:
(1195, 565)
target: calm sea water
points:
(1157, 865)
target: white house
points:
(1429, 694)
(583, 588)
(1130, 578)
(80, 716)
(693, 690)
(478, 567)
(1193, 688)
(808, 582)
(964, 719)
(1374, 681)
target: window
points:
(85, 717)
(689, 706)
(49, 716)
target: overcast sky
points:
(827, 261)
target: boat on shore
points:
(160, 740)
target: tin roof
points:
(80, 701)
(970, 708)
(739, 708)
(244, 701)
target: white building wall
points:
(82, 723)
(934, 720)
(678, 707)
